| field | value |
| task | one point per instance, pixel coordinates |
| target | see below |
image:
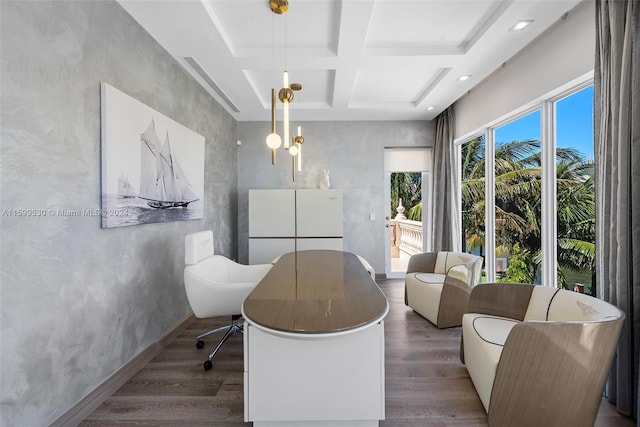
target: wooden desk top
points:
(318, 291)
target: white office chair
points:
(217, 286)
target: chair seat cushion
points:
(493, 330)
(484, 337)
(430, 277)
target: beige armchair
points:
(438, 284)
(538, 356)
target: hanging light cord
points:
(273, 50)
(286, 58)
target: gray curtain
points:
(617, 145)
(446, 224)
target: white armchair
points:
(537, 355)
(217, 286)
(438, 285)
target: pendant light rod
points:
(273, 139)
(273, 123)
(299, 140)
(273, 110)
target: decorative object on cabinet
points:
(325, 182)
(152, 166)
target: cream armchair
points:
(538, 356)
(438, 284)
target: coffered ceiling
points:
(355, 59)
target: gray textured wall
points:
(78, 301)
(352, 151)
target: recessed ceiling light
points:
(521, 25)
(431, 108)
(465, 77)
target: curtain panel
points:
(617, 148)
(446, 234)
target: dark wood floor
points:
(426, 385)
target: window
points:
(518, 189)
(528, 194)
(575, 192)
(473, 196)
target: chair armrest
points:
(455, 296)
(553, 372)
(509, 300)
(422, 263)
(252, 273)
(500, 299)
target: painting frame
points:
(152, 167)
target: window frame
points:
(549, 228)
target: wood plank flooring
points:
(426, 385)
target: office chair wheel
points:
(199, 344)
(208, 365)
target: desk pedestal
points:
(318, 380)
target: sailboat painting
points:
(152, 166)
(125, 189)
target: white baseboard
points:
(84, 407)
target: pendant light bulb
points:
(274, 141)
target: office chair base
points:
(234, 328)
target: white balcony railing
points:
(406, 238)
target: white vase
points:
(324, 182)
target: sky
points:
(574, 124)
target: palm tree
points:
(576, 219)
(518, 205)
(408, 187)
(473, 190)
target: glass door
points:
(407, 204)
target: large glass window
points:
(473, 195)
(518, 199)
(575, 191)
(530, 210)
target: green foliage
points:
(518, 270)
(408, 187)
(518, 190)
(415, 213)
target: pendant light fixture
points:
(286, 96)
(273, 139)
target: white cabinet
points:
(318, 213)
(282, 221)
(272, 213)
(264, 251)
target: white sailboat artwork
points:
(163, 183)
(125, 189)
(152, 166)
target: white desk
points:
(314, 343)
